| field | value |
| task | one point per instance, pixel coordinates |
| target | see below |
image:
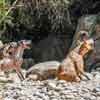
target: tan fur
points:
(43, 71)
(67, 70)
(72, 67)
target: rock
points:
(84, 23)
(51, 90)
(88, 23)
(98, 98)
(52, 85)
(65, 92)
(97, 76)
(86, 96)
(93, 97)
(97, 89)
(90, 76)
(70, 96)
(47, 50)
(62, 82)
(82, 99)
(98, 93)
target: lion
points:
(72, 67)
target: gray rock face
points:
(87, 23)
(52, 48)
(52, 90)
(84, 23)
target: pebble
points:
(52, 90)
(96, 89)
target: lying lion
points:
(43, 71)
(72, 67)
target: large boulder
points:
(89, 24)
(51, 48)
(84, 23)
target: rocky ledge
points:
(52, 89)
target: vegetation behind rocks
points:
(39, 19)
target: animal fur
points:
(70, 70)
(43, 71)
(72, 67)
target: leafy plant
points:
(5, 17)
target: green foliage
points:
(4, 18)
(35, 16)
(46, 16)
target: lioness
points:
(72, 67)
